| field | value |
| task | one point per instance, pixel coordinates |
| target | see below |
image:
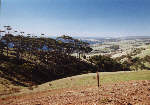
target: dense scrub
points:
(107, 64)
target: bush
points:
(105, 63)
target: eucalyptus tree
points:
(7, 40)
(17, 46)
(21, 44)
(2, 45)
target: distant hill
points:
(136, 37)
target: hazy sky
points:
(78, 17)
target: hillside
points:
(76, 81)
(129, 88)
(29, 61)
(31, 65)
(14, 76)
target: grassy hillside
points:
(75, 82)
(90, 79)
(15, 75)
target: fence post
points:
(97, 78)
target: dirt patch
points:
(123, 93)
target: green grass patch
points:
(90, 79)
(84, 80)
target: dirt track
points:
(123, 93)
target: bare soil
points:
(122, 93)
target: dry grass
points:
(90, 79)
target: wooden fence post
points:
(97, 78)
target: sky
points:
(85, 18)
